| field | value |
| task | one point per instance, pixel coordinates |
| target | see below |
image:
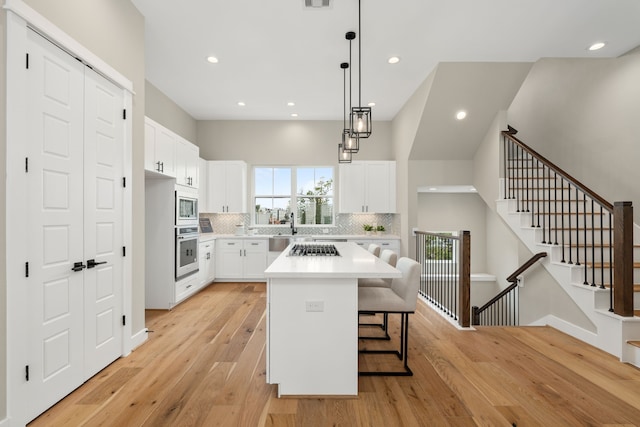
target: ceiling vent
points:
(316, 3)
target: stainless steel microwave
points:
(186, 208)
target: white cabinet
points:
(187, 155)
(393, 244)
(241, 259)
(367, 186)
(207, 262)
(159, 148)
(203, 186)
(227, 186)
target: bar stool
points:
(374, 249)
(391, 258)
(400, 298)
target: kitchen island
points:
(312, 320)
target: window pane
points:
(315, 210)
(264, 181)
(315, 181)
(282, 181)
(272, 210)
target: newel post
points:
(623, 259)
(465, 279)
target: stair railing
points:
(445, 278)
(589, 229)
(503, 309)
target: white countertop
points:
(353, 262)
(210, 236)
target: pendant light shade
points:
(360, 122)
(343, 156)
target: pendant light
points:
(360, 116)
(344, 154)
(350, 143)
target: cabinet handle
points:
(362, 209)
(158, 166)
(188, 286)
(231, 243)
(255, 244)
(385, 244)
(78, 266)
(245, 252)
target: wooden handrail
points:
(526, 265)
(510, 135)
(513, 280)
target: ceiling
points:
(274, 52)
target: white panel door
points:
(55, 234)
(103, 237)
(352, 185)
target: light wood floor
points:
(204, 365)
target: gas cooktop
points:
(313, 249)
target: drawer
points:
(229, 244)
(260, 244)
(186, 286)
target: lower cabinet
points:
(241, 259)
(206, 262)
(187, 287)
(393, 244)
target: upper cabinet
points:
(227, 186)
(203, 186)
(159, 149)
(367, 186)
(187, 155)
(169, 154)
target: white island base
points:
(312, 320)
(313, 352)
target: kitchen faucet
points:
(293, 228)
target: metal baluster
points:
(538, 189)
(562, 220)
(549, 204)
(544, 223)
(577, 228)
(584, 251)
(526, 179)
(610, 256)
(569, 228)
(555, 206)
(504, 165)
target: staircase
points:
(552, 212)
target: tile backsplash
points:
(345, 224)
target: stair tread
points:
(636, 287)
(608, 265)
(634, 343)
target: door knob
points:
(78, 266)
(92, 263)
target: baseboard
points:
(4, 422)
(139, 338)
(566, 327)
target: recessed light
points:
(294, 114)
(371, 104)
(241, 104)
(433, 189)
(393, 60)
(597, 46)
(212, 59)
(291, 104)
(460, 115)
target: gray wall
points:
(162, 109)
(3, 220)
(583, 115)
(114, 31)
(286, 142)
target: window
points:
(305, 191)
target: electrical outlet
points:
(315, 306)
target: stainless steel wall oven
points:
(186, 251)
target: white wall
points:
(583, 115)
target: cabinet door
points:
(211, 271)
(352, 186)
(255, 258)
(236, 186)
(186, 163)
(229, 259)
(216, 183)
(203, 263)
(150, 147)
(165, 151)
(193, 165)
(203, 185)
(378, 182)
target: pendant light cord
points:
(359, 56)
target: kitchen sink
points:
(279, 243)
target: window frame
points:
(294, 196)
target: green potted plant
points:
(380, 229)
(367, 228)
